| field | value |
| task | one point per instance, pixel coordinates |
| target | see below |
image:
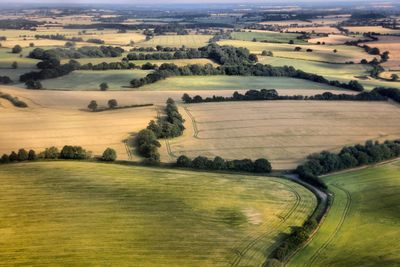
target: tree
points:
(183, 161)
(103, 86)
(112, 103)
(93, 105)
(31, 44)
(51, 153)
(335, 51)
(262, 165)
(32, 84)
(291, 42)
(394, 77)
(13, 157)
(109, 155)
(14, 65)
(32, 155)
(297, 48)
(5, 158)
(16, 49)
(73, 152)
(22, 155)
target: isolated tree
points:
(291, 42)
(16, 49)
(31, 44)
(394, 77)
(22, 155)
(112, 103)
(93, 105)
(32, 155)
(254, 40)
(335, 51)
(104, 86)
(109, 155)
(14, 65)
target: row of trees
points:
(247, 165)
(272, 94)
(50, 68)
(122, 65)
(72, 53)
(243, 69)
(67, 152)
(349, 157)
(392, 93)
(14, 100)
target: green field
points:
(90, 80)
(7, 58)
(91, 214)
(191, 40)
(187, 83)
(272, 37)
(362, 226)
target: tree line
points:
(5, 80)
(67, 152)
(74, 53)
(246, 165)
(168, 126)
(14, 100)
(392, 93)
(349, 157)
(272, 94)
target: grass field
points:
(7, 58)
(285, 132)
(189, 83)
(90, 80)
(273, 37)
(77, 213)
(362, 226)
(191, 40)
(323, 53)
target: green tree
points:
(103, 86)
(93, 105)
(184, 161)
(262, 165)
(394, 77)
(16, 49)
(112, 103)
(5, 158)
(109, 155)
(32, 155)
(13, 157)
(51, 153)
(22, 155)
(14, 65)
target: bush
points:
(109, 155)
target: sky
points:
(176, 1)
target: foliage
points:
(109, 155)
(73, 152)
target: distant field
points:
(76, 213)
(323, 53)
(119, 38)
(15, 73)
(191, 40)
(90, 80)
(269, 36)
(189, 83)
(315, 29)
(361, 228)
(285, 132)
(335, 39)
(391, 44)
(7, 58)
(366, 29)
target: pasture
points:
(191, 40)
(361, 227)
(223, 82)
(74, 213)
(285, 132)
(90, 80)
(322, 53)
(267, 36)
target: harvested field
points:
(364, 215)
(267, 36)
(335, 39)
(119, 39)
(367, 29)
(391, 44)
(285, 132)
(191, 40)
(315, 29)
(59, 213)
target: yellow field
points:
(287, 23)
(322, 53)
(285, 132)
(391, 44)
(366, 29)
(123, 39)
(321, 29)
(334, 39)
(191, 40)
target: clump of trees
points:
(74, 152)
(109, 155)
(21, 155)
(123, 65)
(72, 53)
(246, 165)
(392, 93)
(50, 68)
(148, 145)
(349, 157)
(5, 80)
(272, 94)
(14, 100)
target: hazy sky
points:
(178, 1)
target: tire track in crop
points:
(194, 123)
(345, 213)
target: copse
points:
(148, 145)
(73, 152)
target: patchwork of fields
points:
(285, 132)
(361, 227)
(267, 36)
(177, 41)
(71, 213)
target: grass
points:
(90, 80)
(77, 213)
(191, 40)
(361, 228)
(268, 36)
(284, 132)
(188, 83)
(7, 58)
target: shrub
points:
(109, 155)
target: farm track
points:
(343, 216)
(194, 123)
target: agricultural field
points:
(322, 53)
(7, 58)
(285, 132)
(195, 83)
(267, 36)
(367, 29)
(90, 80)
(315, 29)
(336, 39)
(60, 213)
(191, 40)
(361, 227)
(391, 44)
(119, 39)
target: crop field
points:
(391, 44)
(335, 39)
(60, 213)
(189, 83)
(367, 29)
(323, 53)
(269, 36)
(315, 29)
(191, 40)
(90, 80)
(361, 228)
(287, 23)
(285, 132)
(118, 39)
